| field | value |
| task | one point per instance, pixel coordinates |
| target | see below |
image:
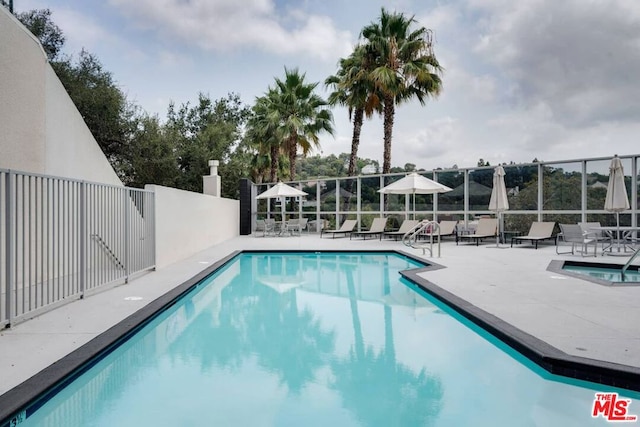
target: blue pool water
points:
(612, 275)
(316, 339)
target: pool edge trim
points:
(557, 266)
(50, 379)
(543, 354)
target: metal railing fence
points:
(62, 238)
(563, 191)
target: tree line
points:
(392, 63)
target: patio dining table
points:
(623, 239)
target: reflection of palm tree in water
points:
(377, 389)
(258, 322)
(288, 341)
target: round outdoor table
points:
(622, 239)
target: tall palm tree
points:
(405, 67)
(263, 129)
(302, 116)
(353, 89)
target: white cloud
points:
(436, 140)
(579, 57)
(225, 26)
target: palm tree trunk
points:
(358, 118)
(293, 151)
(274, 163)
(389, 113)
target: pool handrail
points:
(626, 266)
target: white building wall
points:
(22, 97)
(187, 222)
(42, 131)
(70, 149)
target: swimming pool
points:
(315, 339)
(596, 272)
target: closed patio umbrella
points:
(498, 202)
(414, 183)
(616, 200)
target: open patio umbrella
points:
(616, 200)
(498, 202)
(281, 191)
(414, 183)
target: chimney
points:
(211, 182)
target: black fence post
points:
(245, 206)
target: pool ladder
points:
(410, 238)
(626, 266)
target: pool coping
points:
(550, 358)
(51, 379)
(556, 266)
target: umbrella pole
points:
(618, 230)
(414, 205)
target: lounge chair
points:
(537, 232)
(573, 234)
(376, 229)
(347, 228)
(407, 225)
(487, 227)
(446, 228)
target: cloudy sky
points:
(545, 79)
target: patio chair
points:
(487, 227)
(293, 226)
(260, 226)
(377, 229)
(269, 227)
(406, 226)
(346, 228)
(537, 232)
(592, 229)
(446, 228)
(304, 224)
(317, 225)
(573, 234)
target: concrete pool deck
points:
(575, 316)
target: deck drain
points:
(581, 349)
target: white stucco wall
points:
(41, 129)
(22, 97)
(70, 149)
(188, 222)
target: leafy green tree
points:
(208, 130)
(8, 4)
(150, 157)
(353, 89)
(39, 22)
(405, 67)
(104, 107)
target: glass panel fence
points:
(562, 186)
(453, 200)
(571, 191)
